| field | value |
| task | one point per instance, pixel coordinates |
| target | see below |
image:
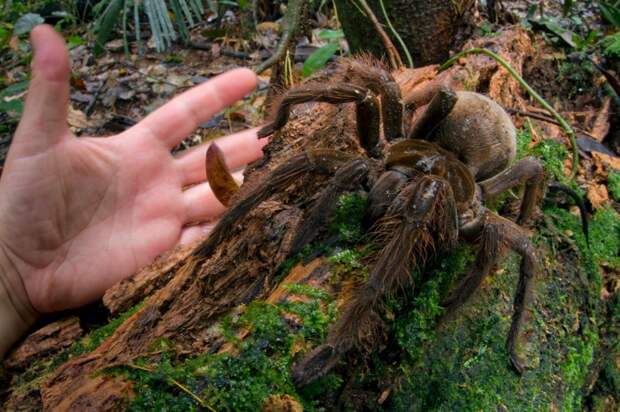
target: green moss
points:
(524, 139)
(613, 184)
(551, 153)
(347, 222)
(463, 364)
(605, 237)
(604, 245)
(580, 353)
(349, 264)
(243, 381)
(416, 327)
(306, 290)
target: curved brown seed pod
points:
(219, 177)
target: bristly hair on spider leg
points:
(322, 161)
(424, 204)
(367, 109)
(366, 71)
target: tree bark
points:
(429, 29)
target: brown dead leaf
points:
(611, 161)
(597, 194)
(600, 128)
(282, 403)
(77, 118)
(267, 26)
(14, 43)
(384, 396)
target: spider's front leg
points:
(421, 218)
(367, 109)
(320, 161)
(350, 176)
(497, 235)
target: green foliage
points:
(26, 23)
(610, 12)
(416, 328)
(241, 382)
(613, 184)
(580, 353)
(319, 58)
(348, 218)
(605, 237)
(604, 245)
(92, 341)
(305, 290)
(327, 34)
(186, 14)
(550, 152)
(553, 154)
(11, 98)
(611, 45)
(348, 264)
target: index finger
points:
(175, 120)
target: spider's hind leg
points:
(421, 217)
(497, 236)
(526, 171)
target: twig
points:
(178, 384)
(395, 60)
(293, 18)
(395, 33)
(563, 123)
(89, 109)
(223, 52)
(545, 119)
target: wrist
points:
(17, 314)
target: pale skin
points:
(77, 215)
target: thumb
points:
(44, 121)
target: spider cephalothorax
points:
(426, 188)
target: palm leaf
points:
(187, 13)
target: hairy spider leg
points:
(350, 176)
(366, 71)
(497, 236)
(526, 171)
(367, 109)
(219, 177)
(438, 109)
(321, 161)
(421, 218)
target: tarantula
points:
(426, 190)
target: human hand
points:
(79, 214)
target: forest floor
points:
(241, 362)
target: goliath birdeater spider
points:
(426, 189)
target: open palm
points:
(77, 215)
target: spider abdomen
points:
(480, 133)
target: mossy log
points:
(429, 29)
(221, 331)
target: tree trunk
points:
(429, 29)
